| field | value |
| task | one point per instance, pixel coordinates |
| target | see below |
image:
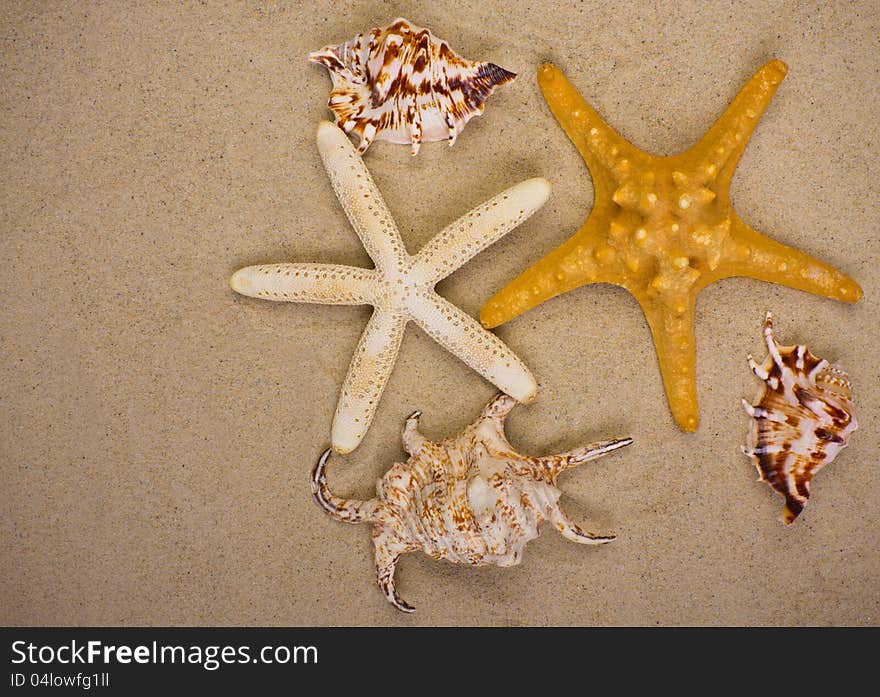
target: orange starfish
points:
(664, 229)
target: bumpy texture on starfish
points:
(401, 287)
(664, 229)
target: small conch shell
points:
(800, 421)
(404, 85)
(471, 499)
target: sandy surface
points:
(157, 431)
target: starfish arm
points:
(367, 376)
(603, 149)
(457, 243)
(326, 284)
(463, 336)
(574, 263)
(673, 332)
(359, 196)
(720, 149)
(754, 255)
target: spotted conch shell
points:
(471, 499)
(802, 418)
(404, 85)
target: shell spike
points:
(571, 531)
(489, 76)
(791, 511)
(413, 440)
(757, 369)
(768, 328)
(499, 407)
(554, 465)
(329, 58)
(345, 510)
(770, 341)
(367, 136)
(821, 367)
(386, 565)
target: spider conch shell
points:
(471, 499)
(800, 421)
(404, 85)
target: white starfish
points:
(401, 287)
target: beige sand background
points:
(157, 431)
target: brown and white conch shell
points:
(800, 421)
(471, 499)
(404, 85)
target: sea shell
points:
(471, 499)
(800, 421)
(404, 85)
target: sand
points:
(157, 431)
